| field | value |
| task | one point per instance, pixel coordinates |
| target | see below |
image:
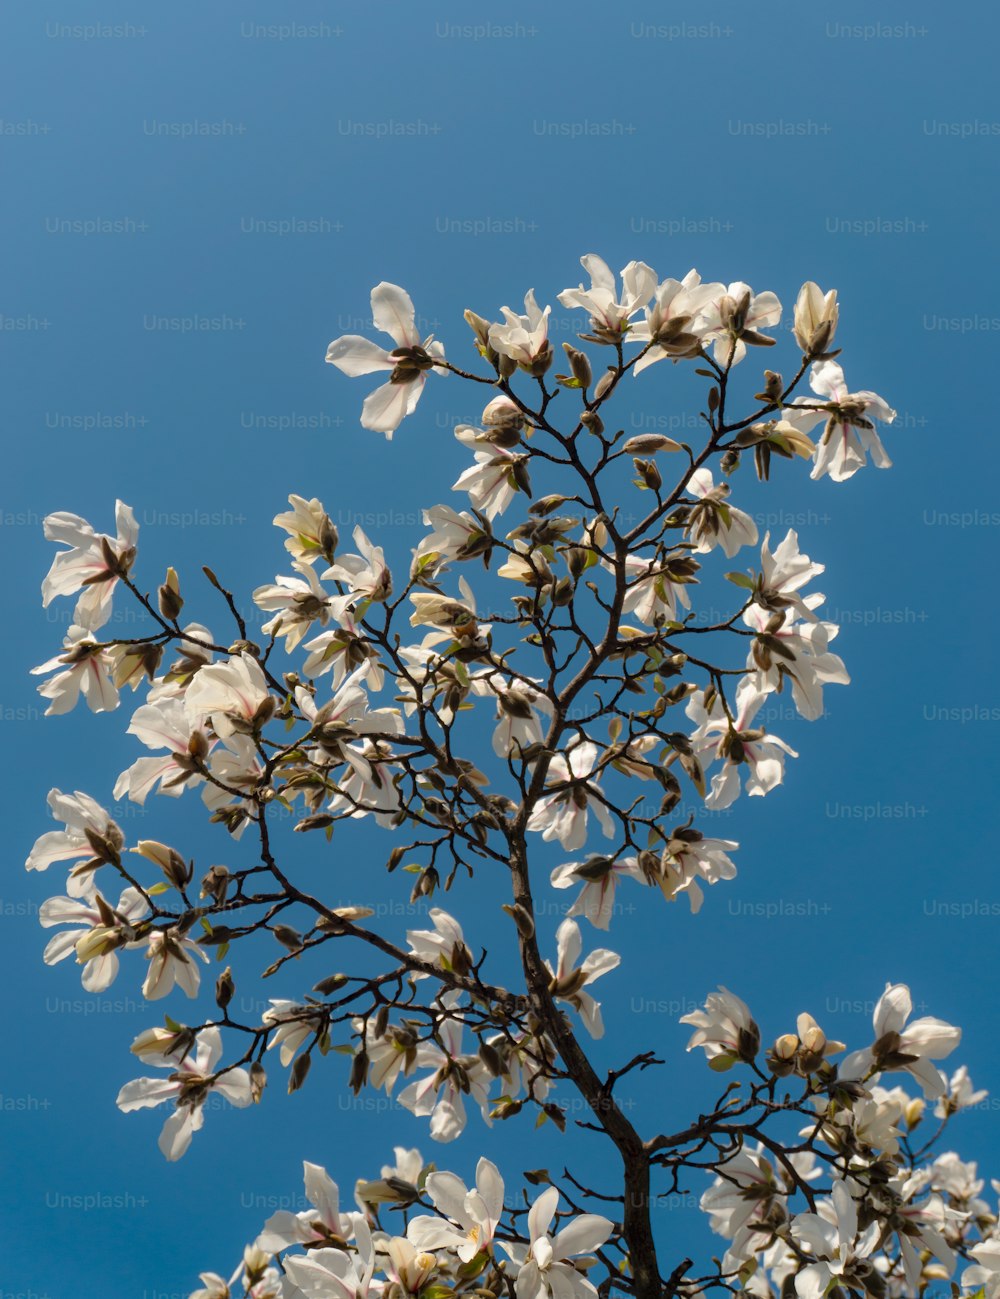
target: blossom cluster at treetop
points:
(480, 716)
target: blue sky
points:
(260, 170)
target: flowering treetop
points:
(366, 695)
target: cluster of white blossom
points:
(396, 678)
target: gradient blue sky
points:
(774, 144)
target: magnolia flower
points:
(524, 338)
(235, 766)
(563, 815)
(407, 1266)
(399, 1182)
(897, 1046)
(849, 434)
(960, 1094)
(169, 955)
(652, 594)
(784, 647)
(90, 833)
(816, 315)
(546, 1270)
(191, 1080)
(346, 716)
(297, 603)
(738, 745)
(101, 930)
(841, 1252)
(739, 1200)
(311, 533)
(366, 576)
(609, 317)
(569, 979)
(474, 1215)
(85, 667)
(688, 858)
(518, 725)
(490, 482)
(783, 574)
(444, 945)
(94, 563)
(331, 1273)
(725, 1029)
(713, 522)
(600, 877)
(985, 1272)
(921, 1226)
(165, 725)
(439, 1094)
(295, 1025)
(322, 1224)
(341, 651)
(408, 362)
(454, 536)
(673, 323)
(368, 787)
(234, 695)
(734, 315)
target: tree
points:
(594, 674)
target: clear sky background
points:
(773, 143)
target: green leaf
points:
(741, 579)
(157, 889)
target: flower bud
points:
(170, 600)
(225, 988)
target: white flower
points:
(652, 595)
(311, 534)
(849, 435)
(714, 522)
(234, 695)
(295, 1025)
(960, 1094)
(599, 876)
(518, 725)
(189, 1084)
(409, 361)
(524, 338)
(490, 482)
(164, 725)
(725, 1029)
(783, 574)
(784, 647)
(609, 317)
(985, 1271)
(439, 1094)
(333, 1274)
(735, 314)
(897, 1046)
(454, 536)
(569, 979)
(688, 858)
(738, 744)
(85, 667)
(322, 1224)
(169, 955)
(474, 1214)
(444, 945)
(101, 931)
(673, 323)
(836, 1245)
(90, 833)
(366, 576)
(563, 815)
(297, 603)
(547, 1271)
(93, 562)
